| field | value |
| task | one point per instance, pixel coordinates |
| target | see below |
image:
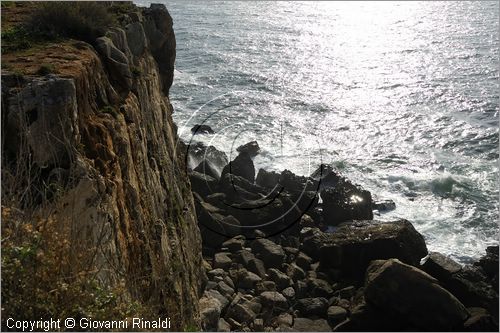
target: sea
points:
(400, 97)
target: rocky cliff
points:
(92, 147)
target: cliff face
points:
(100, 131)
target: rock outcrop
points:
(105, 123)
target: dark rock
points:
(234, 244)
(319, 288)
(257, 266)
(248, 280)
(241, 313)
(265, 286)
(223, 326)
(258, 325)
(216, 199)
(301, 290)
(480, 321)
(310, 325)
(267, 179)
(244, 256)
(224, 289)
(227, 280)
(251, 148)
(202, 129)
(281, 279)
(303, 261)
(346, 292)
(312, 239)
(489, 264)
(353, 245)
(336, 315)
(294, 183)
(312, 306)
(235, 325)
(241, 166)
(412, 294)
(384, 205)
(307, 221)
(238, 189)
(274, 300)
(207, 168)
(198, 152)
(440, 266)
(202, 184)
(224, 302)
(295, 272)
(222, 260)
(289, 293)
(326, 175)
(269, 252)
(346, 202)
(216, 272)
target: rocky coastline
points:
(277, 258)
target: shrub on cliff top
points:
(85, 20)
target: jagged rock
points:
(307, 221)
(267, 179)
(244, 256)
(346, 202)
(248, 280)
(326, 175)
(412, 294)
(257, 266)
(136, 38)
(235, 325)
(216, 272)
(440, 266)
(274, 300)
(489, 264)
(269, 252)
(353, 245)
(312, 239)
(319, 288)
(281, 279)
(210, 310)
(241, 166)
(312, 306)
(295, 272)
(207, 168)
(336, 315)
(238, 189)
(202, 184)
(294, 183)
(227, 280)
(224, 289)
(216, 199)
(234, 244)
(303, 261)
(116, 62)
(289, 293)
(202, 129)
(224, 302)
(310, 325)
(480, 321)
(198, 151)
(222, 260)
(223, 326)
(384, 205)
(241, 313)
(251, 148)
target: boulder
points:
(336, 315)
(384, 205)
(238, 189)
(202, 129)
(198, 151)
(224, 302)
(269, 252)
(319, 288)
(234, 244)
(223, 326)
(310, 325)
(312, 306)
(267, 179)
(248, 280)
(274, 300)
(243, 257)
(257, 266)
(222, 260)
(202, 184)
(241, 313)
(346, 202)
(295, 272)
(281, 279)
(225, 289)
(210, 310)
(251, 148)
(303, 261)
(489, 264)
(353, 245)
(412, 294)
(241, 166)
(440, 266)
(207, 168)
(326, 176)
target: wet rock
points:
(489, 264)
(251, 148)
(274, 300)
(269, 252)
(202, 129)
(210, 310)
(310, 325)
(354, 244)
(346, 202)
(198, 151)
(336, 315)
(223, 326)
(326, 176)
(384, 205)
(207, 168)
(222, 260)
(241, 166)
(267, 179)
(281, 279)
(412, 294)
(312, 306)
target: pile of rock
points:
(272, 267)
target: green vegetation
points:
(46, 69)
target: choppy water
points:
(403, 97)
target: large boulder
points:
(267, 179)
(251, 148)
(207, 168)
(353, 245)
(346, 202)
(210, 310)
(312, 306)
(268, 251)
(202, 129)
(409, 293)
(196, 152)
(203, 184)
(326, 176)
(241, 166)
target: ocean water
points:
(402, 97)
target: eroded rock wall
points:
(103, 134)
